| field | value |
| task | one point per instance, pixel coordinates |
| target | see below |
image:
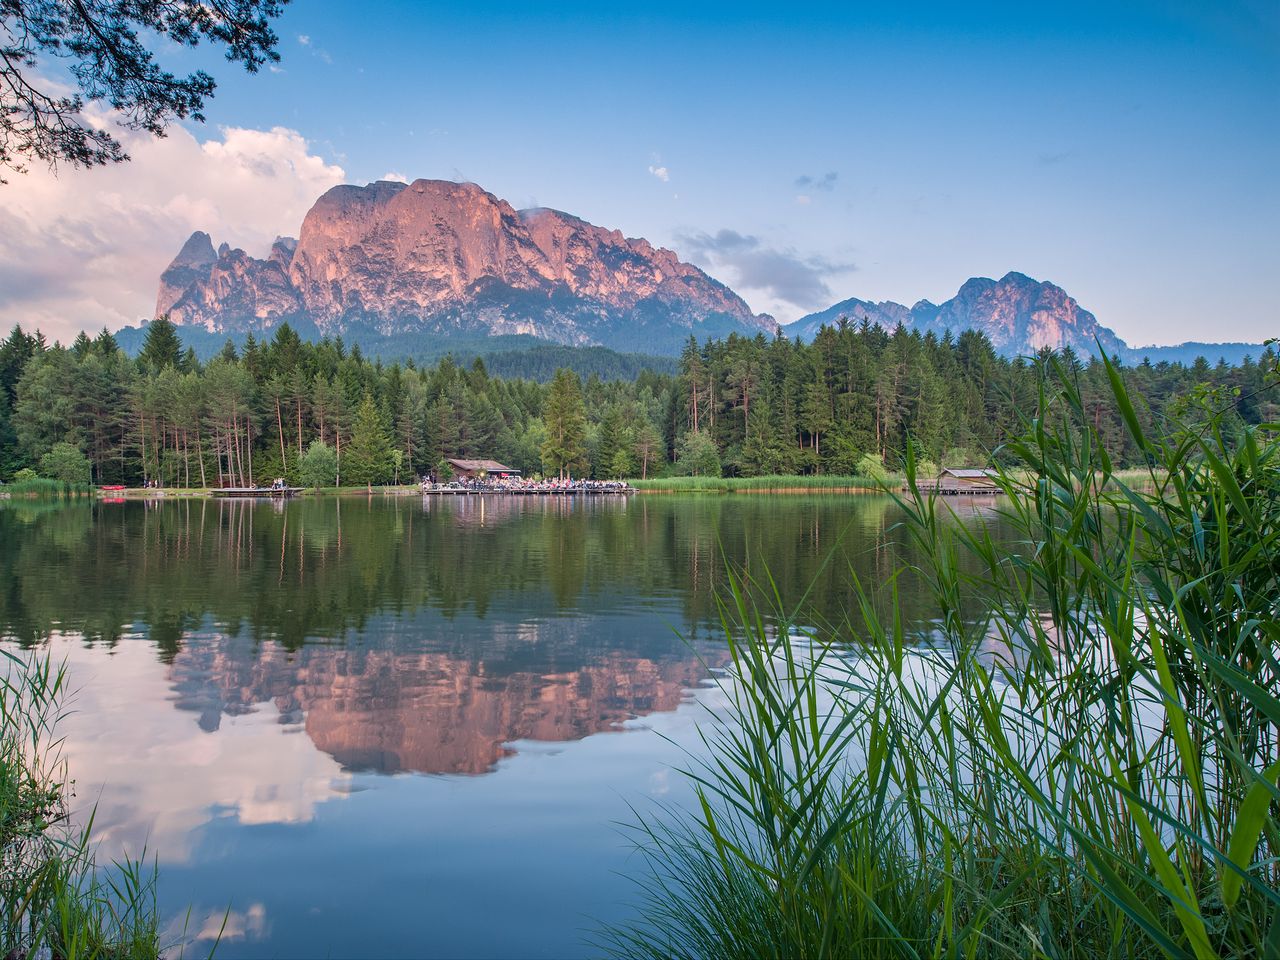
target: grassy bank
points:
(153, 493)
(42, 488)
(55, 900)
(1079, 759)
(771, 484)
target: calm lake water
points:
(397, 727)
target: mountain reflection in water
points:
(260, 688)
(392, 711)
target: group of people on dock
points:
(524, 485)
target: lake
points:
(402, 726)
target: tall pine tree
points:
(564, 452)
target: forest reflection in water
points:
(246, 665)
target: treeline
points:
(506, 355)
(322, 414)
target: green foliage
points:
(1079, 760)
(105, 48)
(564, 451)
(367, 456)
(872, 465)
(66, 463)
(161, 348)
(827, 482)
(25, 475)
(769, 407)
(697, 456)
(318, 466)
(54, 898)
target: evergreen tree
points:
(648, 448)
(367, 456)
(161, 347)
(15, 353)
(564, 452)
(105, 343)
(614, 446)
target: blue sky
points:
(806, 153)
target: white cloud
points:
(85, 248)
(787, 281)
(660, 172)
(125, 742)
(319, 52)
(394, 175)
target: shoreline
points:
(784, 491)
(203, 493)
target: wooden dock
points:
(965, 490)
(254, 492)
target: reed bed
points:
(43, 488)
(1086, 767)
(55, 901)
(768, 484)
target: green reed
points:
(815, 483)
(54, 899)
(1080, 759)
(43, 488)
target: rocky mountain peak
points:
(440, 256)
(1018, 314)
(282, 251)
(196, 252)
(192, 264)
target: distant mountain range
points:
(1020, 316)
(446, 259)
(408, 269)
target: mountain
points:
(1187, 353)
(1020, 316)
(449, 259)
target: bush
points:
(65, 462)
(697, 455)
(872, 465)
(318, 466)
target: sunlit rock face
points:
(256, 290)
(437, 256)
(190, 268)
(1019, 315)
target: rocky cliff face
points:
(1018, 315)
(436, 256)
(189, 268)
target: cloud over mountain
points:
(82, 248)
(784, 276)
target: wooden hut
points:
(475, 469)
(953, 481)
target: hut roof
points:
(489, 466)
(968, 474)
